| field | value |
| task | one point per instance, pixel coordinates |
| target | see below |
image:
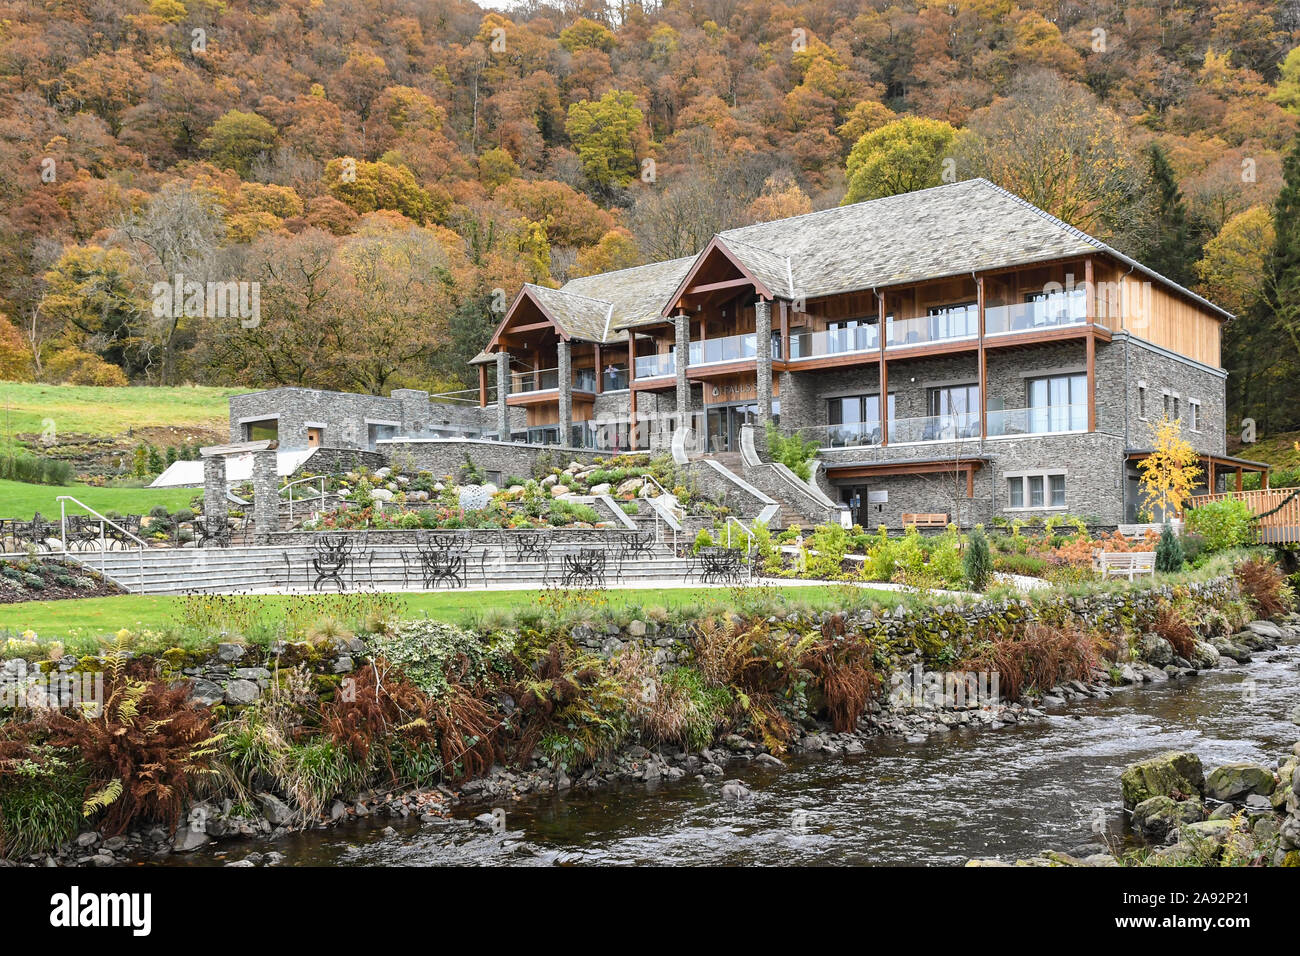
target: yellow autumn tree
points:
(1171, 471)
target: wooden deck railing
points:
(1277, 511)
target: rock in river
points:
(1175, 773)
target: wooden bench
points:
(926, 520)
(1124, 563)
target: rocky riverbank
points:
(917, 704)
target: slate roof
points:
(598, 308)
(948, 230)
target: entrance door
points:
(313, 437)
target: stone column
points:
(503, 390)
(683, 323)
(266, 496)
(763, 364)
(216, 509)
(564, 363)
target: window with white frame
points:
(1194, 410)
(1028, 491)
(1142, 400)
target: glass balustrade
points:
(657, 365)
(1037, 421)
(861, 338)
(1051, 311)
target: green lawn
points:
(91, 617)
(90, 410)
(21, 500)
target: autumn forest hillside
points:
(390, 171)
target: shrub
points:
(1169, 551)
(35, 470)
(1038, 657)
(41, 790)
(1262, 583)
(144, 748)
(792, 451)
(1170, 624)
(977, 562)
(1223, 524)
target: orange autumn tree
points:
(1171, 471)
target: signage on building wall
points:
(877, 497)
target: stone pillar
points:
(763, 364)
(216, 509)
(564, 364)
(683, 323)
(266, 496)
(503, 390)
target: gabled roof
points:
(948, 230)
(637, 294)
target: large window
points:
(1040, 490)
(855, 419)
(960, 400)
(1058, 403)
(851, 409)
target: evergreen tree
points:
(1262, 348)
(1176, 247)
(1169, 551)
(977, 562)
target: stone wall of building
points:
(1128, 365)
(345, 416)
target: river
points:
(1004, 793)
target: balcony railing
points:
(615, 377)
(846, 435)
(806, 345)
(657, 365)
(952, 326)
(548, 380)
(955, 427)
(1044, 419)
(1060, 309)
(534, 380)
(730, 348)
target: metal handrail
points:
(749, 545)
(103, 545)
(299, 481)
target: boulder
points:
(1204, 656)
(630, 487)
(206, 692)
(228, 653)
(1265, 629)
(1155, 650)
(1228, 649)
(277, 812)
(733, 791)
(242, 692)
(1235, 781)
(601, 489)
(1172, 774)
(382, 494)
(1154, 818)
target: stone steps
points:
(228, 570)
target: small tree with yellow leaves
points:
(1171, 471)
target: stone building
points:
(1023, 365)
